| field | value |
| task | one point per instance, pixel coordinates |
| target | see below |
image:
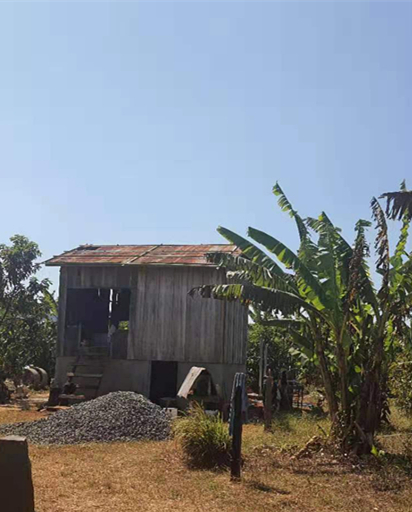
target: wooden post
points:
(61, 317)
(16, 486)
(235, 470)
(265, 357)
(261, 367)
(268, 400)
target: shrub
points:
(401, 381)
(205, 439)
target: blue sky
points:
(154, 122)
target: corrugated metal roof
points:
(194, 255)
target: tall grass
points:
(205, 440)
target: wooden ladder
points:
(88, 370)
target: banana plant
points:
(398, 204)
(325, 296)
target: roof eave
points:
(130, 265)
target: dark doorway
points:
(120, 307)
(97, 317)
(90, 308)
(163, 382)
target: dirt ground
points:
(152, 476)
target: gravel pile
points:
(119, 416)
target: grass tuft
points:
(205, 440)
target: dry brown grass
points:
(153, 477)
(14, 414)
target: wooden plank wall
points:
(98, 277)
(166, 324)
(61, 322)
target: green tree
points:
(27, 310)
(279, 355)
(325, 297)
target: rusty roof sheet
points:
(194, 255)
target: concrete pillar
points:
(16, 486)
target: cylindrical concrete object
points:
(31, 377)
(16, 485)
(44, 378)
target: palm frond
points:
(307, 249)
(51, 300)
(381, 245)
(304, 343)
(242, 269)
(251, 252)
(357, 263)
(283, 201)
(286, 206)
(266, 299)
(307, 282)
(328, 260)
(398, 203)
(344, 253)
(400, 249)
(314, 224)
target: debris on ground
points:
(21, 392)
(313, 445)
(118, 416)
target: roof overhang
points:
(142, 255)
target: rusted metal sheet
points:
(189, 381)
(194, 255)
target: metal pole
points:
(235, 470)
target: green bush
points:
(205, 440)
(401, 381)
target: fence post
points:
(16, 486)
(235, 470)
(268, 400)
(261, 365)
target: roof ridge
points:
(144, 254)
(143, 245)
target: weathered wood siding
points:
(98, 277)
(61, 321)
(166, 324)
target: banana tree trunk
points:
(371, 402)
(344, 389)
(327, 380)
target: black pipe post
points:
(235, 470)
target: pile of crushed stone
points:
(119, 416)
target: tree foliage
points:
(279, 352)
(27, 310)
